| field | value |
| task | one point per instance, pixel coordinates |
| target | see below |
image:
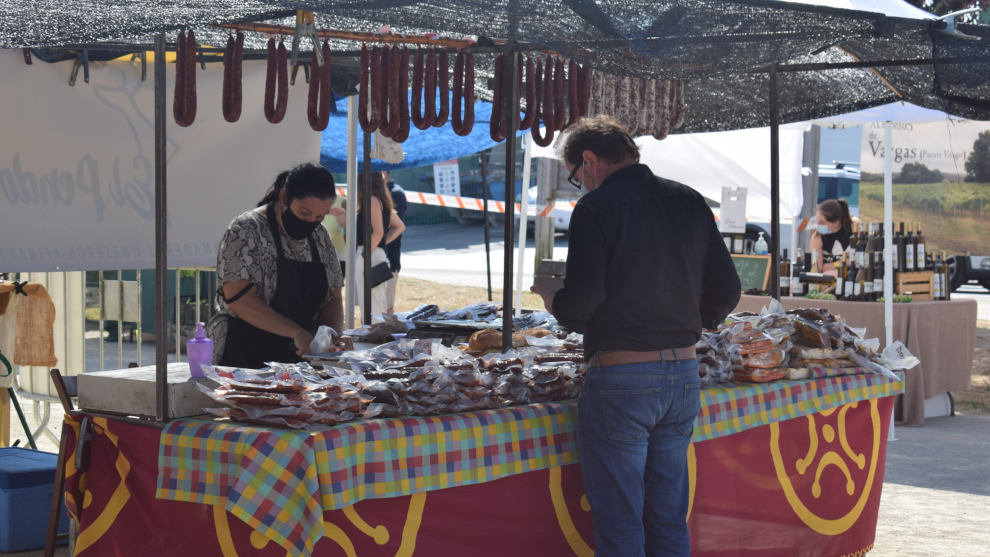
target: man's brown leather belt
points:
(623, 357)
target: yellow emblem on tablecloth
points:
(833, 451)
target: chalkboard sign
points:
(753, 270)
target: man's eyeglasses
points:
(571, 179)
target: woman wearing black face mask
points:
(279, 274)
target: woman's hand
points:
(303, 340)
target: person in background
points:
(279, 274)
(832, 232)
(386, 226)
(393, 250)
(646, 270)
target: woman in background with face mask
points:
(832, 233)
(279, 274)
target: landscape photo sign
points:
(942, 146)
(77, 171)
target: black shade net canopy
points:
(830, 60)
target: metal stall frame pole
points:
(366, 233)
(888, 265)
(351, 217)
(511, 101)
(161, 294)
(774, 185)
(523, 219)
(482, 162)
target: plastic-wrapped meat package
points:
(776, 357)
(811, 333)
(502, 363)
(759, 375)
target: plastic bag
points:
(323, 340)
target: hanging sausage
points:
(232, 95)
(543, 105)
(318, 105)
(401, 90)
(184, 98)
(529, 93)
(367, 116)
(497, 128)
(276, 82)
(463, 94)
(422, 120)
(443, 82)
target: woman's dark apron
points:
(300, 289)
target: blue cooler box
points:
(26, 481)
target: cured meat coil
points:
(662, 124)
(463, 94)
(443, 81)
(544, 104)
(530, 95)
(184, 98)
(559, 96)
(497, 127)
(391, 124)
(573, 86)
(677, 105)
(318, 105)
(584, 90)
(233, 57)
(420, 119)
(276, 82)
(367, 116)
(403, 86)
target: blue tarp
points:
(422, 147)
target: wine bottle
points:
(921, 263)
(878, 277)
(937, 279)
(813, 269)
(858, 286)
(899, 249)
(849, 284)
(840, 278)
(796, 268)
(785, 275)
(946, 283)
(909, 250)
(868, 283)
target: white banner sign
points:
(942, 146)
(732, 217)
(447, 178)
(77, 174)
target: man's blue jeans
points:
(634, 426)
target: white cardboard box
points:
(131, 392)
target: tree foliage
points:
(978, 161)
(918, 173)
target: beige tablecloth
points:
(941, 334)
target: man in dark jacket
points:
(646, 270)
(393, 250)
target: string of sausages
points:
(184, 98)
(641, 106)
(233, 57)
(555, 98)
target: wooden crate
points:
(918, 284)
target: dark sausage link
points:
(573, 113)
(496, 128)
(443, 80)
(530, 95)
(467, 94)
(363, 76)
(178, 96)
(403, 87)
(455, 102)
(270, 81)
(228, 68)
(543, 107)
(237, 75)
(282, 73)
(560, 96)
(383, 88)
(418, 119)
(232, 58)
(189, 86)
(318, 107)
(584, 90)
(377, 93)
(394, 94)
(430, 87)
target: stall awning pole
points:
(512, 114)
(483, 162)
(351, 222)
(523, 219)
(366, 232)
(888, 233)
(774, 185)
(161, 295)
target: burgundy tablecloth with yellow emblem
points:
(779, 469)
